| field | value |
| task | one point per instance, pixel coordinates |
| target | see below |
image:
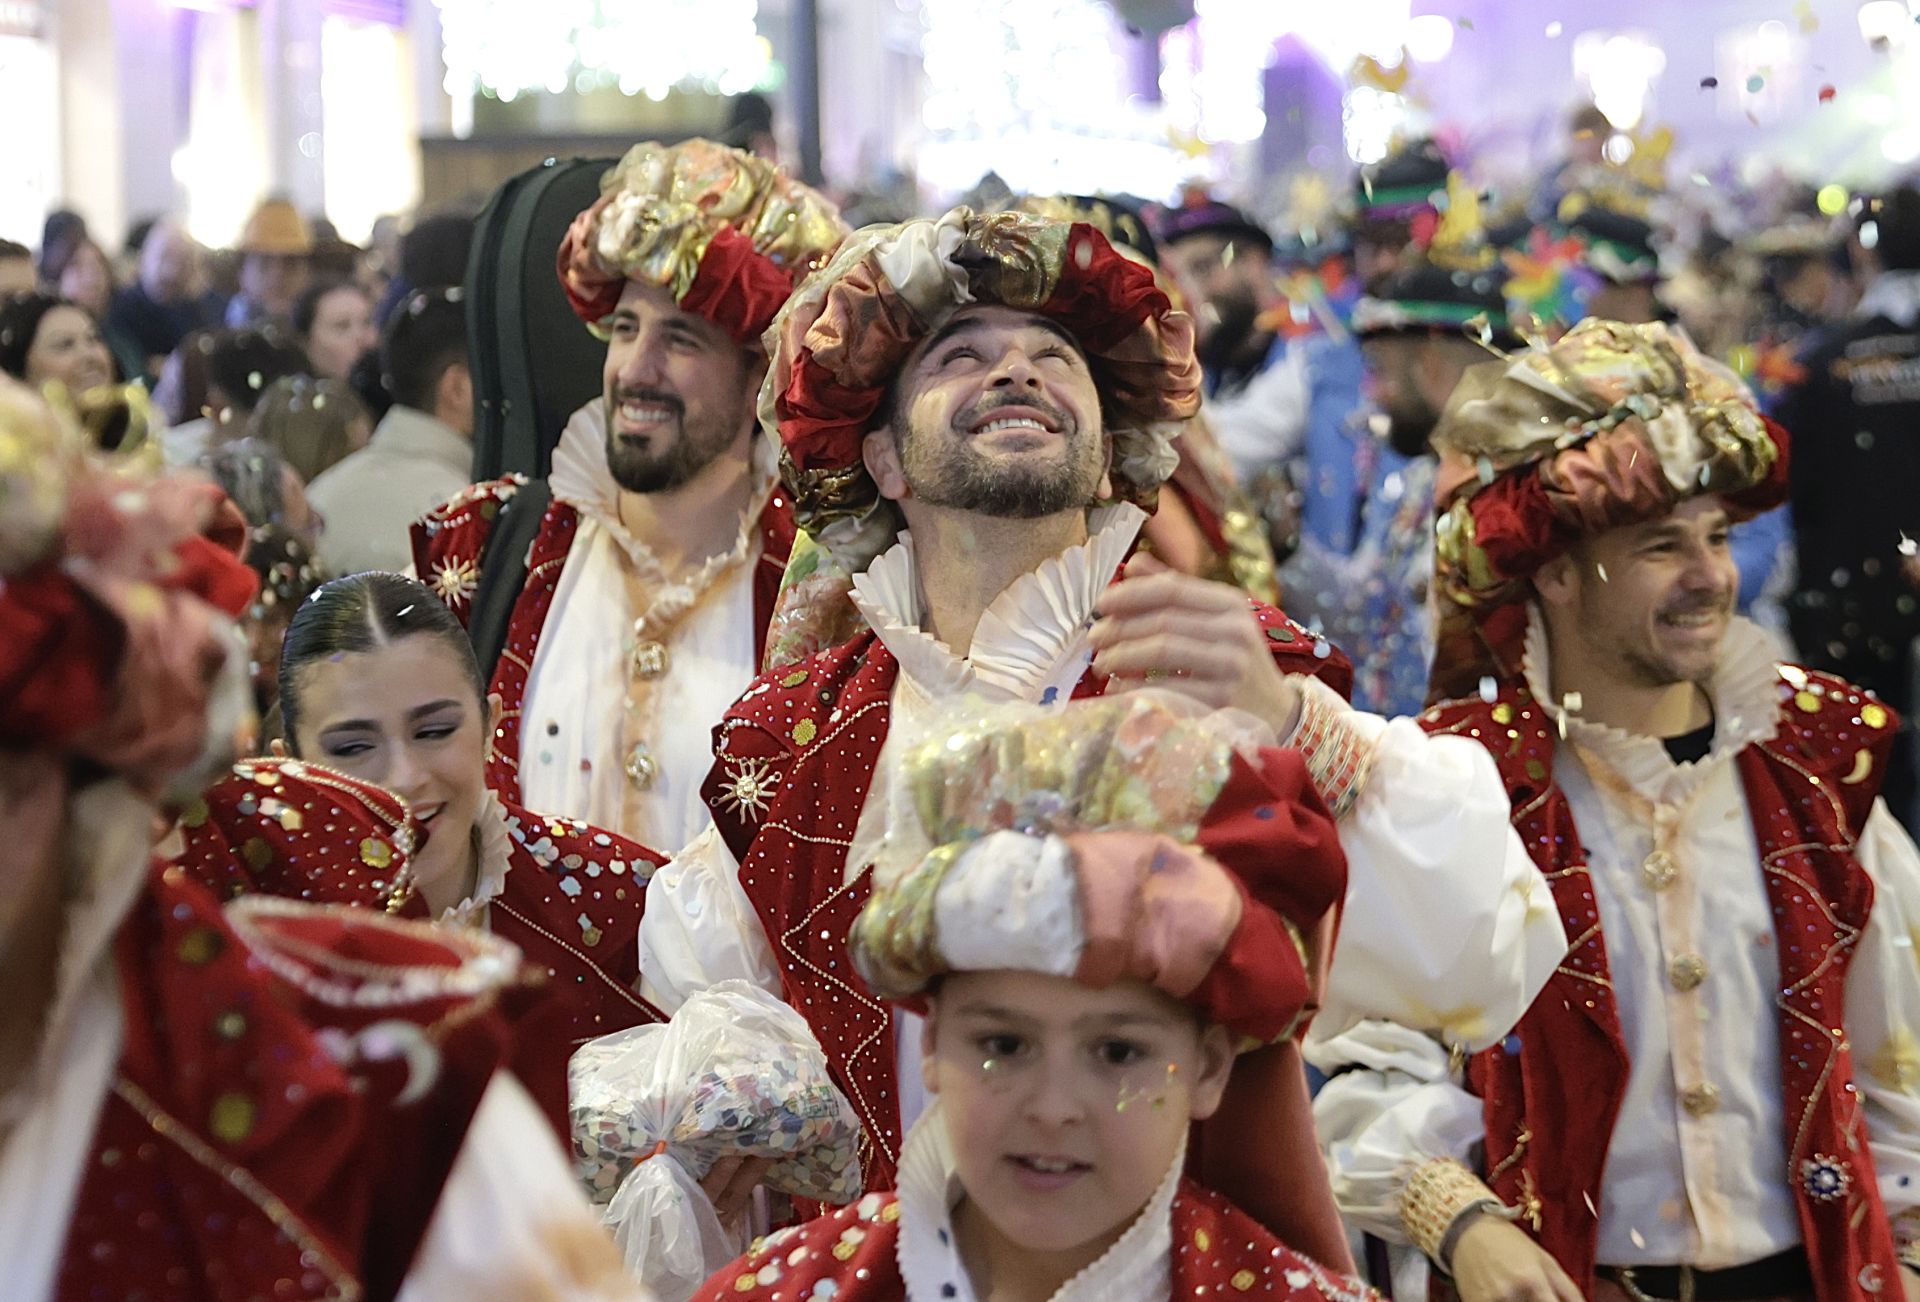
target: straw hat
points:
(276, 227)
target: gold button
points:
(201, 946)
(232, 1118)
(1700, 1099)
(1687, 972)
(1659, 870)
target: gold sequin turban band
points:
(726, 233)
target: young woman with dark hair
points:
(379, 682)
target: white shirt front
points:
(1447, 926)
(1708, 1185)
(577, 728)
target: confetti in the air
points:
(1554, 29)
(1826, 94)
(1466, 24)
(1755, 84)
(1708, 83)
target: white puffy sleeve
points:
(1266, 421)
(700, 928)
(1883, 1021)
(1449, 927)
(512, 1221)
(1392, 1104)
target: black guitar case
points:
(533, 364)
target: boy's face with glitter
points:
(1067, 1105)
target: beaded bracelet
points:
(1338, 757)
(1436, 1199)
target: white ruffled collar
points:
(1744, 691)
(494, 848)
(1026, 635)
(581, 479)
(1137, 1268)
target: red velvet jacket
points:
(449, 542)
(1553, 1092)
(793, 760)
(850, 1256)
(572, 903)
(236, 1156)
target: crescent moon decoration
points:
(1869, 1277)
(397, 1038)
(1862, 766)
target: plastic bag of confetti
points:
(735, 1073)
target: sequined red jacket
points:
(238, 1154)
(1552, 1093)
(850, 1256)
(793, 761)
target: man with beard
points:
(1718, 1094)
(1420, 331)
(1290, 411)
(1005, 386)
(650, 582)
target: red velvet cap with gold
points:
(289, 828)
(726, 233)
(1125, 836)
(1613, 425)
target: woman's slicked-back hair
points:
(363, 612)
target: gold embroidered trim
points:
(241, 1181)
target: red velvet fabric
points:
(1552, 1094)
(736, 288)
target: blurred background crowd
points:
(245, 236)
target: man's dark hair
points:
(244, 364)
(748, 115)
(433, 255)
(1897, 218)
(357, 614)
(137, 236)
(1589, 119)
(14, 249)
(424, 337)
(58, 234)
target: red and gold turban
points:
(1611, 426)
(116, 588)
(841, 341)
(1137, 837)
(724, 232)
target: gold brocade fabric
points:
(661, 207)
(1141, 761)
